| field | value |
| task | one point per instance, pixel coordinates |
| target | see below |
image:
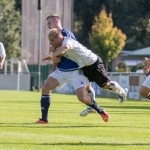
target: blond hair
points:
(53, 33)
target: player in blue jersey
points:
(63, 64)
(93, 69)
(53, 21)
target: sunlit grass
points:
(127, 129)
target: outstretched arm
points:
(61, 50)
(2, 59)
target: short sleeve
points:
(2, 50)
(68, 41)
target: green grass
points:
(127, 129)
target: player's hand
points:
(49, 57)
(1, 64)
(56, 59)
(51, 49)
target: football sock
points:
(95, 106)
(91, 94)
(148, 97)
(45, 103)
(116, 88)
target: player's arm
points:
(2, 59)
(61, 50)
(55, 60)
(146, 61)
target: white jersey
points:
(147, 82)
(2, 50)
(78, 53)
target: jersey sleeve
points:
(2, 50)
(68, 41)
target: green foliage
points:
(131, 16)
(84, 13)
(10, 29)
(127, 129)
(107, 41)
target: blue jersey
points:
(67, 64)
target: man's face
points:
(51, 23)
(55, 42)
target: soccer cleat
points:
(105, 116)
(123, 97)
(87, 111)
(40, 121)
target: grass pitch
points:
(127, 129)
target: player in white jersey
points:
(145, 88)
(91, 65)
(2, 55)
(67, 71)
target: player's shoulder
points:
(1, 45)
(68, 33)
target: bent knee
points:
(88, 87)
(144, 92)
(106, 86)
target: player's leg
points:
(53, 80)
(145, 88)
(114, 87)
(97, 73)
(81, 94)
(91, 93)
(79, 82)
(50, 84)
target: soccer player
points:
(145, 88)
(91, 64)
(53, 21)
(2, 55)
(78, 81)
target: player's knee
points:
(143, 92)
(106, 86)
(88, 87)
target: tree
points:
(132, 17)
(84, 12)
(128, 15)
(10, 21)
(107, 41)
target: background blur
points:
(23, 32)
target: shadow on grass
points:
(128, 107)
(33, 125)
(97, 144)
(82, 144)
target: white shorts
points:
(147, 82)
(76, 79)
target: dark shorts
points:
(96, 73)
